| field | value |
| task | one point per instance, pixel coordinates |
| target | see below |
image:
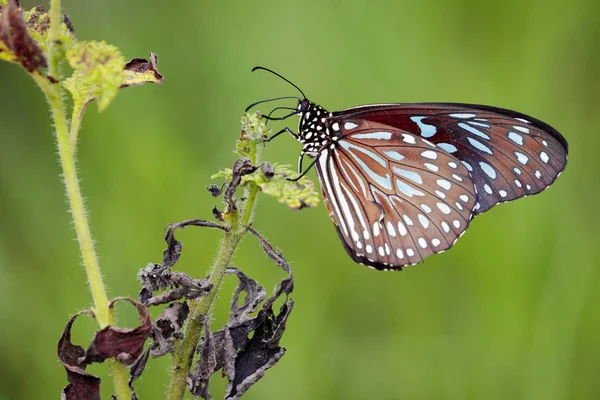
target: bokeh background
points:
(510, 313)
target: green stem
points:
(184, 352)
(84, 236)
(66, 153)
(55, 20)
(76, 117)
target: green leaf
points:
(254, 130)
(295, 194)
(98, 72)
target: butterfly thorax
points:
(313, 128)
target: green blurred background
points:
(510, 313)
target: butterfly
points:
(403, 181)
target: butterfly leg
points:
(302, 173)
(286, 129)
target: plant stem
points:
(104, 315)
(76, 117)
(184, 352)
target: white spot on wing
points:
(394, 155)
(522, 158)
(443, 208)
(450, 148)
(432, 167)
(429, 154)
(390, 229)
(408, 138)
(489, 171)
(373, 135)
(462, 115)
(473, 130)
(515, 137)
(413, 176)
(479, 146)
(402, 229)
(349, 125)
(444, 184)
(426, 129)
(521, 129)
(424, 221)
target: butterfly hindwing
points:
(508, 154)
(394, 197)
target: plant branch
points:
(199, 309)
(66, 153)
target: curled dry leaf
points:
(139, 71)
(166, 328)
(137, 368)
(82, 385)
(255, 294)
(276, 256)
(16, 44)
(244, 360)
(124, 344)
(155, 277)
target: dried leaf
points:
(16, 44)
(155, 277)
(274, 255)
(206, 366)
(82, 385)
(166, 328)
(139, 71)
(255, 294)
(27, 43)
(244, 360)
(138, 367)
(124, 344)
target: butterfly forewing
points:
(394, 197)
(508, 154)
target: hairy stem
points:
(184, 352)
(76, 117)
(66, 153)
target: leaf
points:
(24, 35)
(255, 293)
(98, 72)
(124, 344)
(16, 43)
(82, 385)
(155, 277)
(294, 194)
(166, 328)
(244, 359)
(139, 71)
(138, 367)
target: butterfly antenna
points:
(281, 76)
(268, 100)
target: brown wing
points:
(394, 197)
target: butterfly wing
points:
(508, 154)
(394, 197)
